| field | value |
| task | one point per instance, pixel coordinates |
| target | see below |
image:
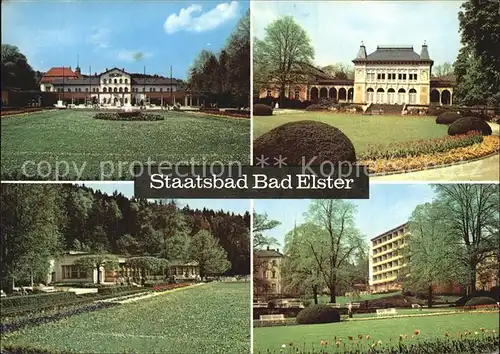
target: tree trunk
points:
(333, 289)
(429, 296)
(315, 294)
(472, 279)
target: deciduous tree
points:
(210, 255)
(280, 57)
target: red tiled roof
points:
(58, 72)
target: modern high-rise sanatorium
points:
(389, 75)
(389, 255)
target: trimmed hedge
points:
(317, 108)
(467, 124)
(129, 116)
(305, 141)
(115, 290)
(38, 299)
(318, 314)
(262, 110)
(480, 300)
(448, 117)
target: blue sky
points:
(390, 205)
(238, 206)
(336, 28)
(108, 34)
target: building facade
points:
(394, 75)
(64, 270)
(387, 259)
(114, 87)
(267, 273)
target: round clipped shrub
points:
(467, 124)
(448, 117)
(318, 314)
(480, 300)
(303, 141)
(262, 110)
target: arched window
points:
(121, 81)
(104, 100)
(116, 81)
(115, 89)
(86, 89)
(126, 100)
(105, 90)
(69, 90)
(161, 89)
(126, 81)
(104, 81)
(150, 89)
(121, 89)
(126, 89)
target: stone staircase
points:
(385, 109)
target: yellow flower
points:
(476, 333)
(367, 336)
(482, 329)
(446, 334)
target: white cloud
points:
(187, 19)
(100, 38)
(336, 28)
(132, 55)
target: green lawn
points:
(109, 149)
(212, 318)
(431, 327)
(362, 130)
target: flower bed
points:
(14, 111)
(490, 145)
(421, 147)
(235, 113)
(165, 287)
(129, 116)
(482, 341)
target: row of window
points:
(394, 273)
(391, 77)
(115, 89)
(391, 236)
(388, 265)
(269, 275)
(115, 81)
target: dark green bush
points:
(305, 141)
(128, 114)
(480, 300)
(436, 111)
(38, 299)
(262, 110)
(318, 314)
(447, 117)
(468, 124)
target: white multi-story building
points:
(114, 87)
(395, 75)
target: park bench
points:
(294, 304)
(335, 305)
(416, 306)
(260, 304)
(383, 312)
(278, 317)
(355, 305)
